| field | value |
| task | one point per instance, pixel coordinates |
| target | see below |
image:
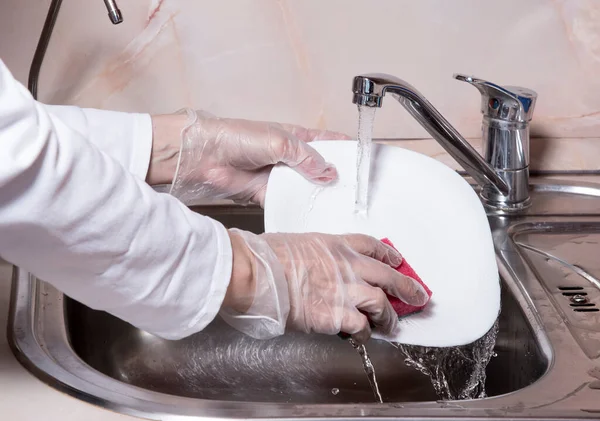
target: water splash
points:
(311, 205)
(313, 198)
(369, 369)
(366, 117)
(456, 373)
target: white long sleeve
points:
(125, 137)
(78, 219)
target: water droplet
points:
(335, 390)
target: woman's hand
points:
(231, 159)
(315, 283)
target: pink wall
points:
(293, 61)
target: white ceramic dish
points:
(430, 213)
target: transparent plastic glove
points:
(322, 283)
(231, 159)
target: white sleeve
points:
(125, 137)
(76, 218)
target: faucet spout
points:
(369, 91)
(114, 13)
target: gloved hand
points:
(231, 159)
(315, 283)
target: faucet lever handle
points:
(509, 103)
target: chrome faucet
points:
(504, 173)
(38, 58)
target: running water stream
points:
(369, 369)
(366, 117)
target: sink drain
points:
(579, 299)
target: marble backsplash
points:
(293, 61)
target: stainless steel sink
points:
(546, 348)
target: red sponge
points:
(403, 309)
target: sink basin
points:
(221, 363)
(564, 256)
(544, 352)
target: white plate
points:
(430, 213)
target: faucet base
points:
(504, 208)
(518, 195)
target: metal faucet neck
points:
(504, 173)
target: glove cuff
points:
(266, 318)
